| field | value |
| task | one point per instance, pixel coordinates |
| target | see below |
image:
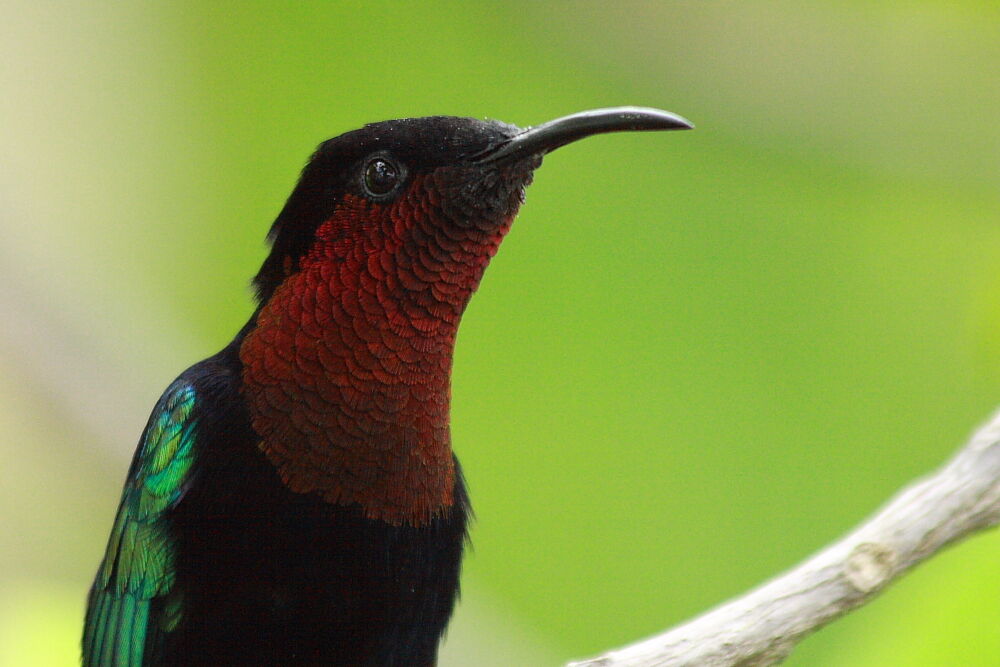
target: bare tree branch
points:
(765, 624)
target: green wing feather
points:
(133, 601)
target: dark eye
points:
(381, 176)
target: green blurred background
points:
(697, 358)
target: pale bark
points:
(764, 625)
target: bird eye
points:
(381, 176)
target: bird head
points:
(347, 362)
(442, 188)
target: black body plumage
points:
(271, 577)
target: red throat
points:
(347, 372)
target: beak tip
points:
(663, 120)
(638, 119)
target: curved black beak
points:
(549, 136)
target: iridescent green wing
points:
(133, 601)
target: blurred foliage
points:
(697, 358)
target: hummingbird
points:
(294, 499)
